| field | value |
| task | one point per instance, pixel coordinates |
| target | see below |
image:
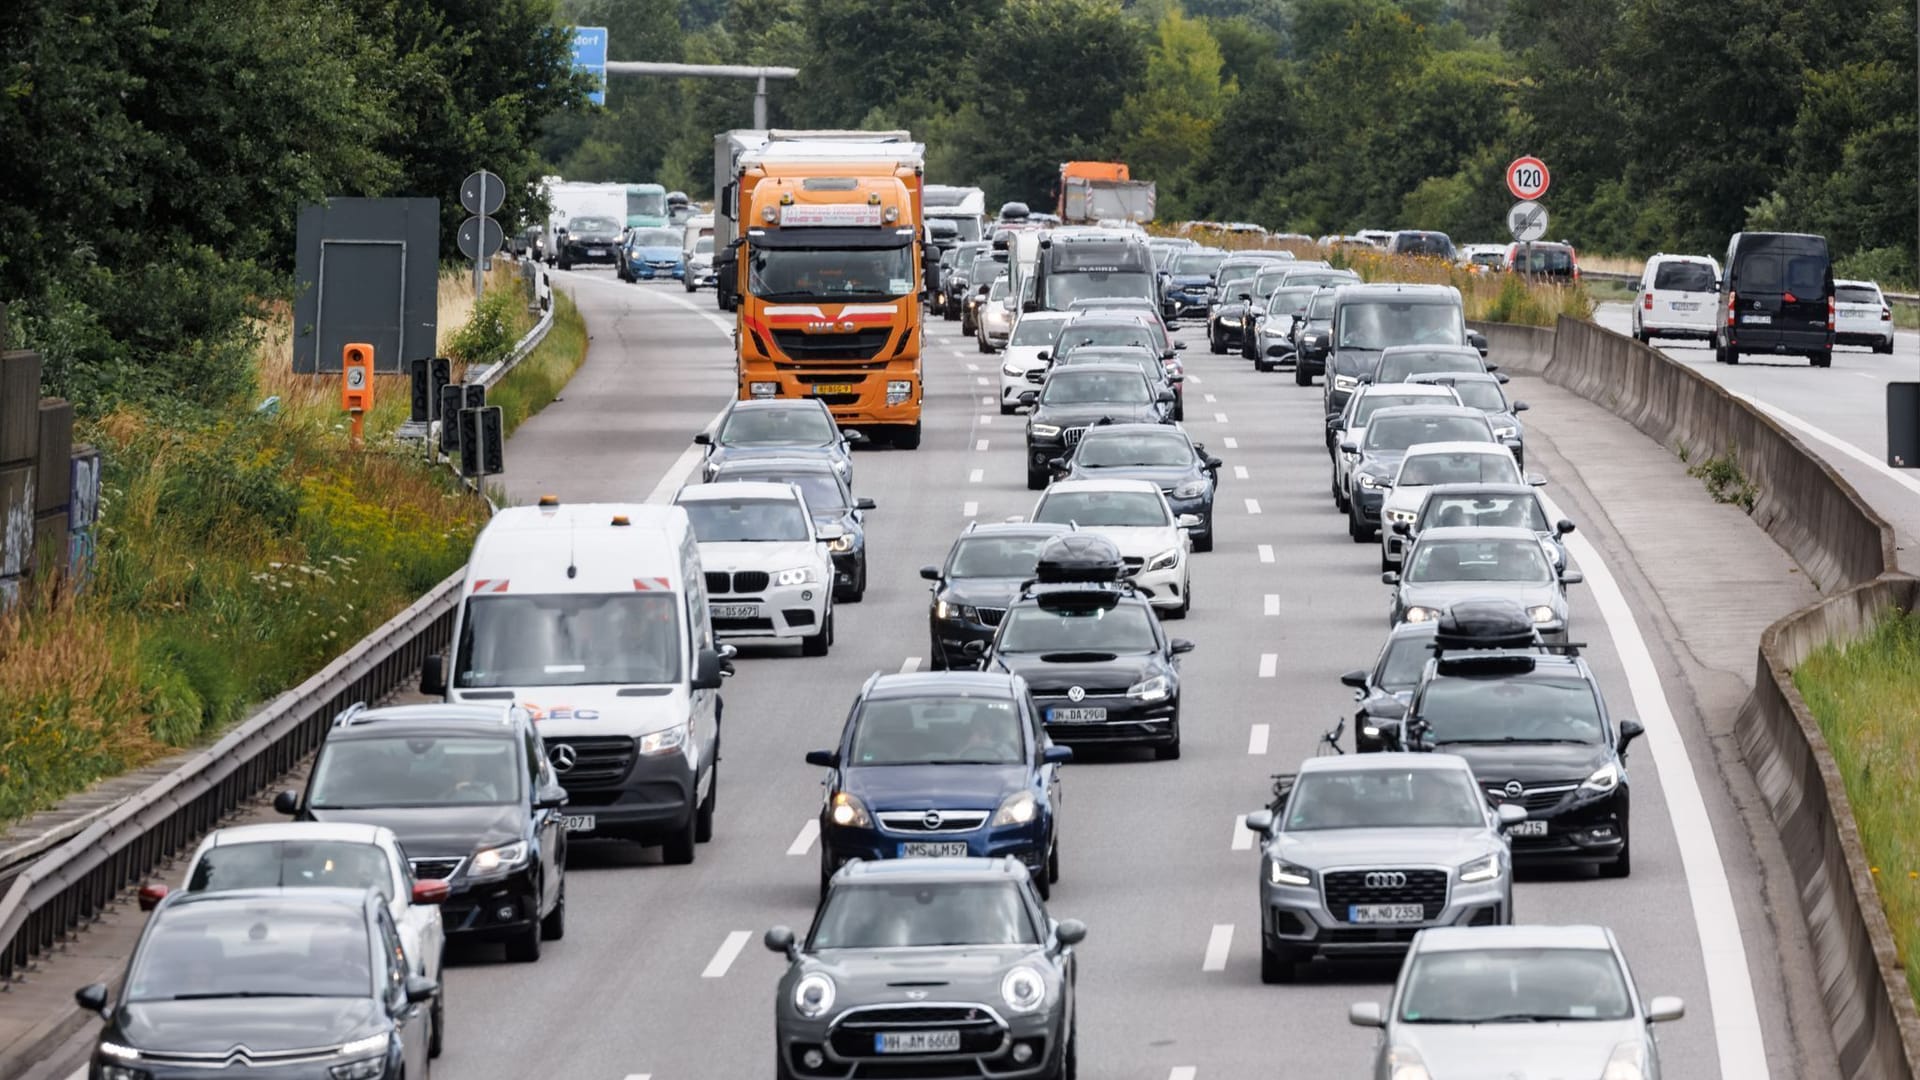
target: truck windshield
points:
(1063, 288)
(968, 228)
(809, 274)
(569, 639)
(651, 204)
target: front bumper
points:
(1028, 842)
(1186, 301)
(583, 253)
(1163, 588)
(1227, 333)
(1590, 831)
(848, 567)
(863, 401)
(1367, 503)
(654, 796)
(494, 908)
(995, 335)
(989, 1035)
(783, 611)
(1296, 918)
(650, 272)
(1128, 722)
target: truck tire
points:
(908, 438)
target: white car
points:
(1679, 297)
(768, 570)
(993, 322)
(328, 855)
(1136, 516)
(1862, 316)
(700, 273)
(1427, 464)
(1351, 424)
(1029, 350)
(1483, 258)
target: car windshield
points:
(850, 274)
(998, 291)
(1133, 449)
(1032, 628)
(268, 949)
(1399, 366)
(1464, 710)
(1404, 662)
(1320, 279)
(413, 771)
(1479, 560)
(1483, 511)
(1489, 258)
(1322, 308)
(825, 497)
(1032, 332)
(592, 225)
(721, 521)
(1098, 509)
(937, 730)
(1481, 394)
(877, 915)
(1233, 275)
(647, 238)
(1424, 470)
(1147, 362)
(1480, 986)
(1384, 799)
(1069, 387)
(1080, 337)
(1545, 259)
(703, 245)
(569, 639)
(777, 427)
(1400, 432)
(1684, 277)
(1419, 243)
(995, 557)
(1381, 324)
(1373, 403)
(1292, 300)
(275, 864)
(646, 203)
(1267, 282)
(1193, 264)
(1856, 294)
(1065, 288)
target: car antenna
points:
(573, 527)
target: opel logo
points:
(1514, 789)
(933, 819)
(563, 757)
(1076, 694)
(1387, 879)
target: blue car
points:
(1190, 280)
(943, 765)
(651, 255)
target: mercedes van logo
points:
(1514, 789)
(563, 757)
(1387, 879)
(933, 820)
(1076, 694)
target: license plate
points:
(1082, 715)
(833, 388)
(928, 850)
(1686, 305)
(577, 822)
(734, 611)
(1757, 320)
(1386, 913)
(1528, 828)
(596, 251)
(916, 1042)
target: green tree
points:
(1168, 123)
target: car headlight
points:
(1156, 688)
(1229, 320)
(1017, 809)
(1368, 480)
(1192, 489)
(1604, 779)
(496, 859)
(1482, 869)
(798, 575)
(1345, 382)
(1281, 872)
(813, 996)
(1541, 614)
(1416, 613)
(944, 610)
(841, 544)
(1407, 516)
(367, 1068)
(663, 742)
(1023, 989)
(1627, 1062)
(115, 1050)
(1505, 432)
(1403, 1063)
(1165, 560)
(1044, 431)
(849, 812)
(1012, 372)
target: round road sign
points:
(1527, 221)
(480, 237)
(481, 193)
(1528, 178)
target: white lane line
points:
(1219, 418)
(1218, 942)
(1269, 665)
(910, 665)
(1211, 399)
(980, 380)
(976, 476)
(1230, 442)
(1253, 506)
(1847, 448)
(1257, 738)
(986, 421)
(1183, 1072)
(804, 842)
(973, 367)
(1195, 379)
(729, 951)
(981, 445)
(1273, 604)
(986, 400)
(1736, 1019)
(1240, 472)
(639, 1076)
(969, 509)
(1864, 375)
(1266, 552)
(1242, 836)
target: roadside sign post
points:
(1527, 180)
(481, 193)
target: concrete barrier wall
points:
(1518, 350)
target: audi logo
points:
(1387, 879)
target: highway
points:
(662, 975)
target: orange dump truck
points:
(831, 277)
(1095, 191)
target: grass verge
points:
(1865, 698)
(535, 382)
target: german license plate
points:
(928, 850)
(1757, 320)
(1081, 715)
(577, 822)
(734, 611)
(832, 388)
(1528, 828)
(1385, 913)
(916, 1042)
(1686, 305)
(596, 251)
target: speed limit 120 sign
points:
(1528, 178)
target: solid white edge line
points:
(1266, 552)
(1272, 604)
(1242, 837)
(1269, 665)
(1836, 442)
(1736, 1018)
(803, 843)
(1219, 942)
(1257, 738)
(910, 665)
(729, 951)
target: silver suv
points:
(1366, 851)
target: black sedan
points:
(1384, 690)
(1075, 397)
(1484, 391)
(830, 501)
(776, 427)
(590, 240)
(1157, 453)
(972, 590)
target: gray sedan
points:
(854, 999)
(1445, 566)
(1366, 851)
(1516, 1001)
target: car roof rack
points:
(349, 714)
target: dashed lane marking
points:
(1257, 738)
(1211, 399)
(1219, 418)
(969, 509)
(1230, 442)
(1269, 665)
(976, 476)
(1240, 472)
(1266, 552)
(981, 445)
(803, 843)
(910, 665)
(1253, 506)
(1183, 1072)
(1273, 604)
(1242, 839)
(728, 952)
(1218, 942)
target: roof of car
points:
(1022, 528)
(1528, 936)
(1416, 389)
(1478, 532)
(1404, 290)
(1462, 350)
(1392, 411)
(736, 489)
(1874, 285)
(1114, 354)
(1160, 430)
(1111, 367)
(289, 900)
(439, 716)
(756, 404)
(1441, 378)
(277, 831)
(916, 683)
(777, 464)
(1106, 485)
(894, 871)
(1382, 762)
(1489, 487)
(1488, 448)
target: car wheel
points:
(1053, 862)
(1070, 1058)
(679, 849)
(1824, 359)
(438, 1019)
(524, 947)
(1386, 564)
(780, 1069)
(1213, 344)
(1733, 355)
(1261, 365)
(554, 926)
(1179, 411)
(1277, 965)
(826, 868)
(860, 591)
(1357, 530)
(565, 265)
(1043, 886)
(1036, 479)
(1339, 495)
(1301, 376)
(1622, 865)
(1171, 751)
(1204, 541)
(819, 643)
(981, 343)
(703, 817)
(908, 438)
(1884, 348)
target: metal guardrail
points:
(543, 296)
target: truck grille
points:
(858, 345)
(598, 761)
(1427, 888)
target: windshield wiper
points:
(1525, 1018)
(1508, 739)
(213, 995)
(1077, 657)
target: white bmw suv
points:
(767, 569)
(1136, 516)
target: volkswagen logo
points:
(1075, 693)
(1387, 879)
(563, 756)
(1514, 789)
(933, 819)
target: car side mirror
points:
(1510, 814)
(1260, 821)
(703, 439)
(930, 573)
(1246, 298)
(1030, 306)
(857, 438)
(780, 940)
(1187, 521)
(1165, 397)
(1028, 397)
(1572, 577)
(1333, 421)
(1536, 480)
(825, 759)
(1044, 355)
(1214, 463)
(1356, 678)
(1520, 407)
(1056, 754)
(287, 802)
(707, 667)
(550, 798)
(1663, 1009)
(1391, 577)
(420, 989)
(1401, 528)
(1070, 932)
(1365, 1014)
(1179, 647)
(93, 998)
(1629, 731)
(1385, 710)
(1563, 527)
(431, 891)
(433, 675)
(1349, 447)
(1179, 346)
(831, 532)
(1058, 464)
(151, 895)
(864, 504)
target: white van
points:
(1678, 298)
(698, 226)
(593, 618)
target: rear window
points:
(1780, 271)
(1684, 277)
(1856, 294)
(1423, 243)
(1544, 259)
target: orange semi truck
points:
(831, 273)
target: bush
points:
(499, 321)
(1890, 267)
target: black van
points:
(1776, 297)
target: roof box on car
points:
(1079, 557)
(1485, 624)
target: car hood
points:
(440, 831)
(1348, 360)
(1191, 281)
(1322, 848)
(1568, 1051)
(984, 592)
(723, 454)
(217, 1025)
(881, 974)
(1024, 356)
(563, 711)
(1529, 763)
(1051, 677)
(1082, 415)
(594, 238)
(1407, 497)
(1167, 477)
(1230, 309)
(1440, 594)
(933, 787)
(1378, 462)
(655, 254)
(768, 555)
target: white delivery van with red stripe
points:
(594, 618)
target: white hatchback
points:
(767, 569)
(1679, 297)
(1136, 516)
(1862, 316)
(1427, 464)
(1029, 350)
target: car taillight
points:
(1886, 314)
(1829, 312)
(1649, 302)
(1732, 300)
